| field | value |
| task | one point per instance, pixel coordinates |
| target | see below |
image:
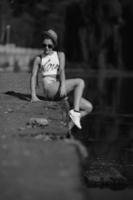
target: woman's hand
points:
(61, 56)
(35, 99)
(62, 90)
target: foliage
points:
(83, 26)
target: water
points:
(106, 194)
(108, 131)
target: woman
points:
(51, 64)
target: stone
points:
(100, 174)
(35, 122)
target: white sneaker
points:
(75, 116)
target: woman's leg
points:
(79, 103)
(85, 106)
(77, 86)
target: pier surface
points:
(36, 162)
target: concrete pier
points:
(36, 162)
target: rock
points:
(9, 110)
(21, 128)
(104, 175)
(35, 122)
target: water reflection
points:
(108, 131)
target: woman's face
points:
(48, 46)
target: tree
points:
(5, 16)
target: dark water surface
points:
(106, 194)
(108, 131)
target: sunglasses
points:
(50, 46)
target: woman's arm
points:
(33, 81)
(62, 73)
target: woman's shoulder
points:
(37, 60)
(60, 53)
(38, 57)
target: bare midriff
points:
(51, 75)
(48, 80)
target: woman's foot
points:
(75, 116)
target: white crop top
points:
(50, 64)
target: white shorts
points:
(50, 86)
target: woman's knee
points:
(73, 84)
(81, 82)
